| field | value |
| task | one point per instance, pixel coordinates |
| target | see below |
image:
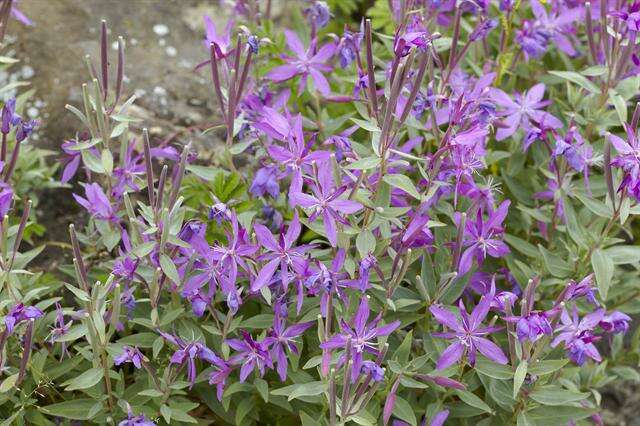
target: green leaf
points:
(166, 413)
(403, 182)
(364, 163)
(301, 389)
(169, 268)
(543, 416)
(366, 125)
(519, 376)
(619, 104)
(623, 255)
(555, 264)
(473, 400)
(493, 369)
(365, 243)
(603, 268)
(547, 366)
(555, 395)
(86, 380)
(8, 383)
(74, 409)
(75, 332)
(578, 79)
(107, 161)
(404, 350)
(263, 388)
(402, 410)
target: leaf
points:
(402, 410)
(547, 366)
(519, 376)
(404, 350)
(493, 369)
(169, 268)
(365, 243)
(603, 268)
(543, 416)
(403, 182)
(555, 395)
(578, 79)
(263, 388)
(302, 389)
(366, 125)
(623, 255)
(8, 383)
(75, 332)
(619, 104)
(86, 380)
(555, 264)
(74, 409)
(166, 413)
(107, 161)
(364, 163)
(473, 400)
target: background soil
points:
(163, 45)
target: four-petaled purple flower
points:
(305, 63)
(188, 353)
(281, 253)
(524, 111)
(20, 313)
(129, 354)
(96, 203)
(468, 333)
(578, 335)
(325, 202)
(282, 337)
(360, 335)
(250, 354)
(482, 238)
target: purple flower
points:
(325, 202)
(578, 335)
(522, 111)
(533, 326)
(281, 253)
(628, 160)
(281, 338)
(20, 313)
(129, 354)
(615, 322)
(222, 41)
(72, 159)
(6, 198)
(9, 116)
(251, 355)
(188, 353)
(583, 288)
(482, 238)
(361, 335)
(349, 48)
(318, 14)
(264, 182)
(630, 16)
(297, 155)
(133, 420)
(483, 29)
(219, 377)
(61, 328)
(25, 128)
(305, 63)
(467, 333)
(96, 202)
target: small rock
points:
(161, 30)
